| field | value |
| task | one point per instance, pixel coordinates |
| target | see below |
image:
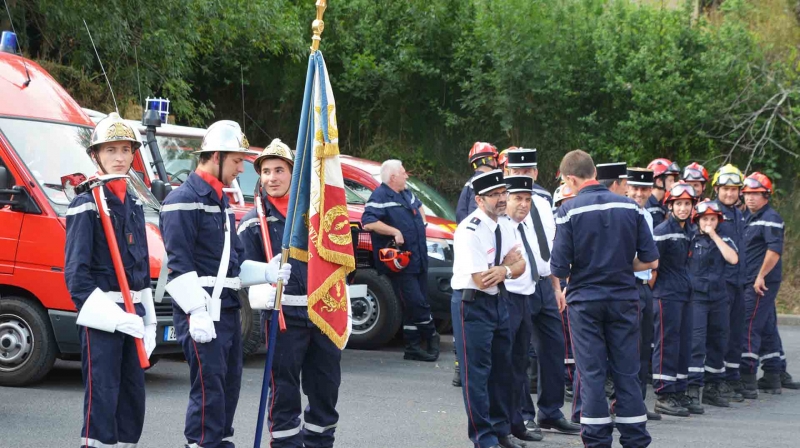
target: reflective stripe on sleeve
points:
(382, 205)
(189, 206)
(595, 208)
(286, 433)
(670, 236)
(596, 421)
(249, 223)
(766, 224)
(87, 207)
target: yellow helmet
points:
(277, 149)
(728, 175)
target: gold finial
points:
(318, 26)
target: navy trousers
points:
(113, 381)
(483, 348)
(303, 348)
(548, 341)
(605, 337)
(673, 347)
(519, 319)
(412, 289)
(709, 341)
(215, 374)
(762, 342)
(736, 331)
(646, 332)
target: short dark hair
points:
(579, 164)
(607, 182)
(205, 157)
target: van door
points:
(10, 226)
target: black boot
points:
(713, 397)
(510, 441)
(727, 391)
(568, 395)
(770, 383)
(653, 416)
(668, 404)
(456, 375)
(749, 388)
(415, 353)
(691, 400)
(433, 345)
(609, 387)
(787, 382)
(533, 375)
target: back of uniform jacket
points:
(672, 282)
(598, 234)
(732, 226)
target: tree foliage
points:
(423, 79)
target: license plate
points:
(169, 333)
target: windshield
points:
(433, 203)
(177, 154)
(52, 150)
(249, 179)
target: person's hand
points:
(285, 272)
(710, 230)
(493, 276)
(131, 324)
(150, 339)
(513, 256)
(262, 297)
(201, 327)
(561, 300)
(398, 238)
(760, 286)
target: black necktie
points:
(534, 270)
(498, 246)
(544, 249)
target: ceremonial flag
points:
(319, 225)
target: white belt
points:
(117, 296)
(209, 282)
(290, 300)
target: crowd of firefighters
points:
(633, 277)
(584, 282)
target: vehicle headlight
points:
(437, 248)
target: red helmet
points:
(480, 152)
(695, 172)
(681, 190)
(502, 158)
(757, 182)
(394, 259)
(659, 166)
(706, 208)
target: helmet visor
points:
(753, 184)
(704, 207)
(693, 175)
(679, 190)
(730, 179)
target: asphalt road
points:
(384, 402)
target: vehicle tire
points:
(28, 348)
(376, 318)
(251, 325)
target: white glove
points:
(283, 271)
(131, 324)
(262, 297)
(150, 339)
(201, 327)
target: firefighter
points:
(394, 215)
(562, 195)
(206, 269)
(114, 396)
(665, 174)
(603, 302)
(482, 158)
(614, 176)
(672, 308)
(303, 348)
(708, 254)
(547, 349)
(640, 189)
(696, 175)
(727, 184)
(763, 241)
(484, 258)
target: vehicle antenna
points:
(244, 120)
(19, 47)
(113, 97)
(138, 83)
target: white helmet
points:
(224, 136)
(113, 129)
(277, 149)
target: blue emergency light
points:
(8, 42)
(161, 105)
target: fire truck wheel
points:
(251, 325)
(27, 346)
(377, 317)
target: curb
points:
(789, 319)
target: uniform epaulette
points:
(473, 223)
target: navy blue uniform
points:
(764, 231)
(401, 211)
(302, 348)
(604, 307)
(710, 310)
(732, 227)
(114, 399)
(466, 200)
(672, 311)
(193, 220)
(657, 210)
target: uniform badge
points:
(129, 238)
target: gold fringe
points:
(345, 260)
(313, 297)
(330, 150)
(298, 254)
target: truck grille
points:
(163, 309)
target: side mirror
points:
(5, 179)
(160, 189)
(70, 182)
(15, 196)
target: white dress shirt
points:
(474, 249)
